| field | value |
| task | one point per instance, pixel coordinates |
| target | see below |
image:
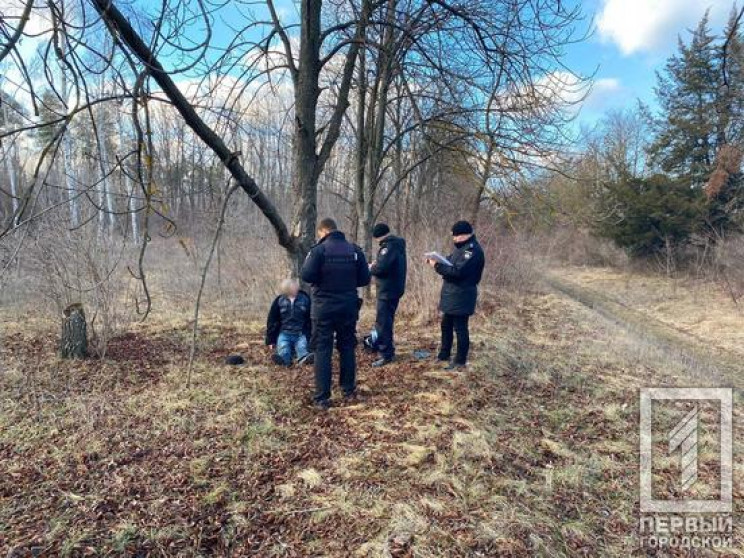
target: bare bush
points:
(512, 261)
(574, 246)
(727, 267)
(421, 300)
(81, 268)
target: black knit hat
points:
(381, 229)
(462, 227)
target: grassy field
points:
(699, 309)
(533, 451)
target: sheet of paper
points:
(436, 256)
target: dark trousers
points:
(384, 326)
(460, 326)
(325, 328)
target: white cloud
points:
(11, 11)
(36, 31)
(647, 25)
(602, 92)
(606, 85)
(562, 87)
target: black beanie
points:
(381, 229)
(462, 227)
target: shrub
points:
(650, 216)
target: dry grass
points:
(531, 452)
(696, 308)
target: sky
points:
(630, 41)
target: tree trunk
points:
(9, 167)
(483, 182)
(360, 156)
(74, 342)
(375, 127)
(305, 157)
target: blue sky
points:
(629, 42)
(632, 39)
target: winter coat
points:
(335, 268)
(390, 268)
(460, 286)
(289, 316)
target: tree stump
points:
(74, 342)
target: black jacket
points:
(288, 316)
(335, 268)
(460, 287)
(390, 268)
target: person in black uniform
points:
(335, 269)
(389, 270)
(459, 292)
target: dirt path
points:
(718, 364)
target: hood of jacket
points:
(392, 241)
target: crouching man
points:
(288, 326)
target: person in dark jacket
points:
(288, 326)
(459, 292)
(335, 269)
(389, 271)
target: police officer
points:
(389, 270)
(459, 292)
(335, 269)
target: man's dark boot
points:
(351, 397)
(308, 359)
(322, 405)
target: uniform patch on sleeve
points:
(467, 255)
(383, 251)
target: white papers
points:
(437, 257)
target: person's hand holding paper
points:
(437, 257)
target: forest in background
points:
(126, 130)
(664, 185)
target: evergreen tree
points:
(648, 216)
(700, 128)
(725, 186)
(50, 109)
(731, 90)
(688, 131)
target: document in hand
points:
(436, 256)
